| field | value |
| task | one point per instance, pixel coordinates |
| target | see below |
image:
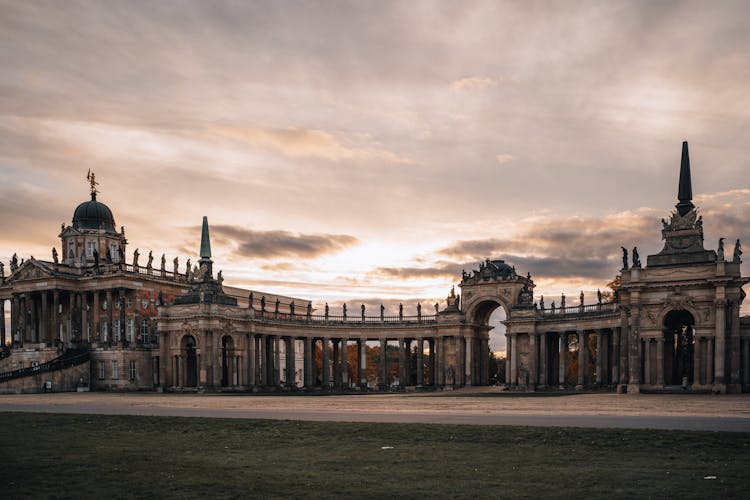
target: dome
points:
(93, 215)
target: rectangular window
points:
(115, 374)
(114, 253)
(130, 302)
(105, 333)
(144, 331)
(129, 330)
(132, 369)
(90, 246)
(102, 370)
(116, 327)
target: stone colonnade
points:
(328, 361)
(543, 359)
(66, 317)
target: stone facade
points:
(673, 324)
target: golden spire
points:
(91, 177)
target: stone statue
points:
(562, 301)
(624, 258)
(382, 311)
(437, 307)
(720, 250)
(108, 256)
(150, 259)
(13, 263)
(291, 307)
(541, 302)
(120, 255)
(737, 252)
(276, 306)
(263, 303)
(163, 262)
(54, 255)
(176, 266)
(581, 297)
(187, 267)
(363, 310)
(344, 309)
(309, 309)
(419, 310)
(250, 300)
(326, 310)
(2, 272)
(96, 258)
(636, 258)
(83, 259)
(552, 306)
(220, 277)
(400, 312)
(599, 295)
(136, 254)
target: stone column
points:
(362, 370)
(746, 362)
(71, 316)
(13, 317)
(696, 359)
(44, 322)
(309, 368)
(276, 360)
(647, 361)
(440, 361)
(402, 363)
(336, 363)
(34, 331)
(533, 356)
(543, 369)
(508, 347)
(84, 297)
(735, 347)
(263, 360)
(599, 357)
(111, 335)
(291, 369)
(121, 330)
(563, 356)
(581, 358)
(344, 364)
(252, 361)
(660, 360)
(324, 355)
(2, 322)
(634, 346)
(484, 351)
(615, 368)
(420, 362)
(514, 359)
(720, 347)
(383, 363)
(710, 342)
(96, 332)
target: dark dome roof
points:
(93, 215)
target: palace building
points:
(89, 320)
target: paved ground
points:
(484, 406)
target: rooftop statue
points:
(136, 254)
(720, 250)
(108, 256)
(737, 252)
(624, 257)
(176, 265)
(636, 258)
(54, 255)
(150, 259)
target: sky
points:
(367, 152)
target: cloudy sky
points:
(369, 151)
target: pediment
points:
(32, 269)
(69, 231)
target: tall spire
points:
(205, 240)
(685, 192)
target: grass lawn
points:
(92, 456)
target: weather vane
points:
(91, 177)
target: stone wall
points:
(66, 380)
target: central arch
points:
(679, 336)
(488, 315)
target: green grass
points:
(92, 456)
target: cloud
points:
(445, 270)
(292, 142)
(254, 244)
(503, 158)
(474, 83)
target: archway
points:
(490, 366)
(191, 361)
(678, 347)
(227, 350)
